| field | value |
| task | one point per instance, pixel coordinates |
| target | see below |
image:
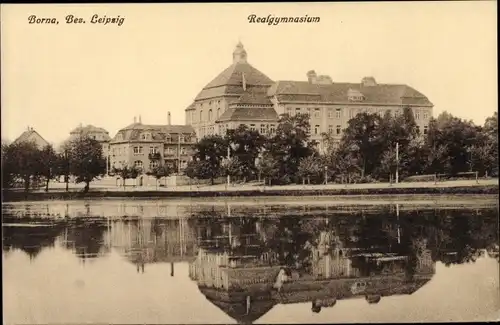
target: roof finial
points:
(239, 54)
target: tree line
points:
(366, 151)
(24, 163)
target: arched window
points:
(210, 114)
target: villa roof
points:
(89, 129)
(133, 131)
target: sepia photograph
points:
(250, 163)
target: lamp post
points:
(397, 162)
(228, 162)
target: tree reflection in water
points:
(329, 258)
(333, 255)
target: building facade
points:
(30, 135)
(93, 132)
(243, 95)
(146, 146)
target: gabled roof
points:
(253, 104)
(338, 93)
(265, 114)
(158, 132)
(230, 81)
(233, 304)
(32, 135)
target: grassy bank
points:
(10, 196)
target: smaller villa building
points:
(146, 146)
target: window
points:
(153, 150)
(154, 164)
(426, 116)
(337, 113)
(316, 129)
(138, 164)
(418, 129)
(252, 127)
(262, 128)
(338, 129)
(272, 129)
(297, 110)
(169, 151)
(137, 150)
(425, 129)
(181, 138)
(330, 113)
(210, 114)
(317, 113)
(146, 136)
(351, 113)
(417, 115)
(330, 128)
(289, 111)
(183, 151)
(201, 115)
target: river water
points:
(340, 260)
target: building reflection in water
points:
(246, 265)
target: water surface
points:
(217, 261)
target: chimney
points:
(29, 129)
(311, 76)
(140, 120)
(135, 120)
(168, 118)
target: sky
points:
(54, 77)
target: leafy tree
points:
(159, 172)
(290, 144)
(232, 167)
(245, 145)
(48, 165)
(490, 145)
(87, 162)
(22, 160)
(455, 135)
(63, 162)
(210, 150)
(346, 162)
(362, 134)
(126, 172)
(267, 167)
(8, 175)
(309, 167)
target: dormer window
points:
(146, 136)
(355, 95)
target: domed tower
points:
(237, 95)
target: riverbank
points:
(446, 188)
